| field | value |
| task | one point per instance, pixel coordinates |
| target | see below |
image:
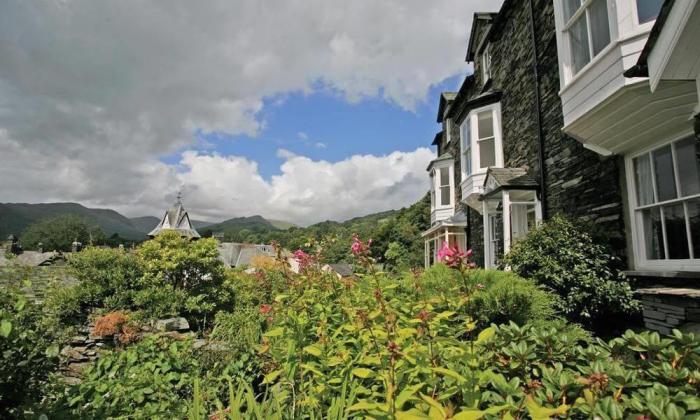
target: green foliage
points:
(181, 277)
(58, 233)
(27, 354)
(564, 257)
(508, 297)
(151, 379)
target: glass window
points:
(445, 196)
(653, 234)
(486, 63)
(677, 242)
(647, 10)
(645, 187)
(688, 161)
(587, 27)
(663, 170)
(486, 140)
(466, 148)
(694, 221)
(669, 175)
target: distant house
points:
(587, 109)
(341, 270)
(240, 255)
(176, 219)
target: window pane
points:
(694, 219)
(445, 196)
(485, 124)
(578, 39)
(468, 161)
(676, 233)
(570, 7)
(688, 161)
(665, 178)
(653, 235)
(445, 176)
(643, 181)
(647, 10)
(487, 153)
(600, 29)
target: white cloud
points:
(302, 135)
(306, 191)
(92, 94)
(320, 145)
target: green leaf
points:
(5, 328)
(314, 350)
(537, 412)
(486, 335)
(275, 332)
(362, 372)
(270, 377)
(449, 373)
(469, 415)
(364, 405)
(52, 351)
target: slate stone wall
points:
(578, 182)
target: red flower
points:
(305, 260)
(453, 257)
(265, 308)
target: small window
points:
(648, 10)
(466, 136)
(445, 189)
(587, 28)
(486, 63)
(667, 185)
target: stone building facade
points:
(588, 109)
(523, 82)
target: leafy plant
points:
(563, 256)
(27, 354)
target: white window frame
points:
(448, 164)
(563, 29)
(465, 140)
(639, 251)
(448, 129)
(497, 134)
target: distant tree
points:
(58, 233)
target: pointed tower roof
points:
(177, 219)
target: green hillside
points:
(15, 217)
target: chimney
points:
(40, 247)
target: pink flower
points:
(358, 248)
(265, 308)
(305, 260)
(453, 257)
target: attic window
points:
(587, 29)
(486, 63)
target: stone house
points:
(548, 123)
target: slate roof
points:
(442, 157)
(177, 219)
(236, 254)
(33, 259)
(509, 179)
(343, 269)
(445, 99)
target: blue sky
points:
(325, 126)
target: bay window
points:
(486, 140)
(666, 204)
(587, 27)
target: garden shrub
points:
(507, 297)
(27, 354)
(563, 256)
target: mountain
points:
(15, 217)
(232, 227)
(281, 224)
